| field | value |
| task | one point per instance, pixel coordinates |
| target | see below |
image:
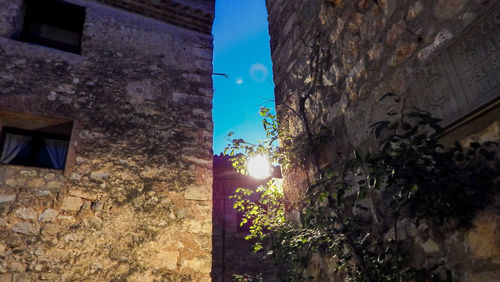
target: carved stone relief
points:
(466, 75)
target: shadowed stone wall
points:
(442, 56)
(134, 200)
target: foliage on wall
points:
(350, 214)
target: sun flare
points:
(259, 166)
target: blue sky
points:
(241, 50)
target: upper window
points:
(54, 23)
(42, 142)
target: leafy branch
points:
(421, 178)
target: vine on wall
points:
(350, 214)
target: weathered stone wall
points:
(134, 201)
(192, 14)
(340, 57)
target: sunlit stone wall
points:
(134, 201)
(441, 55)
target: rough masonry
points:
(133, 201)
(441, 56)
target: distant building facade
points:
(106, 137)
(232, 254)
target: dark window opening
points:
(38, 141)
(31, 148)
(54, 23)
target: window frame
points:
(68, 18)
(38, 139)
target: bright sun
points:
(259, 166)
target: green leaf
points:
(357, 155)
(411, 132)
(414, 188)
(329, 172)
(362, 192)
(372, 183)
(380, 126)
(459, 157)
(393, 126)
(406, 126)
(389, 94)
(475, 145)
(362, 207)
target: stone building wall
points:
(341, 57)
(134, 199)
(232, 254)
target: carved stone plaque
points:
(464, 76)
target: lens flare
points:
(259, 167)
(258, 72)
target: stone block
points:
(50, 229)
(403, 52)
(198, 192)
(35, 183)
(197, 226)
(170, 260)
(28, 173)
(3, 250)
(49, 276)
(430, 246)
(123, 268)
(99, 175)
(26, 213)
(82, 194)
(15, 240)
(388, 6)
(55, 184)
(188, 98)
(197, 160)
(75, 176)
(439, 39)
(447, 9)
(395, 32)
(415, 10)
(6, 277)
(24, 277)
(48, 215)
(483, 240)
(66, 219)
(15, 182)
(197, 264)
(16, 266)
(97, 206)
(27, 228)
(486, 276)
(7, 198)
(86, 205)
(72, 203)
(49, 177)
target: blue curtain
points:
(13, 144)
(57, 150)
